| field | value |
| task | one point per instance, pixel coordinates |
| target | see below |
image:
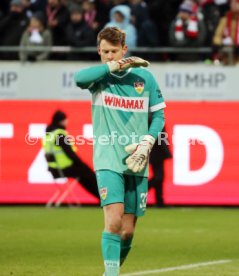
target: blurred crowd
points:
(152, 23)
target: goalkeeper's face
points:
(109, 52)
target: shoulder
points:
(143, 72)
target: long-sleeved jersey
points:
(121, 103)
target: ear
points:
(98, 49)
(125, 49)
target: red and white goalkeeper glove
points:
(139, 154)
(126, 63)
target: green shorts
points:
(122, 188)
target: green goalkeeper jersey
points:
(121, 103)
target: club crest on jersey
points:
(139, 87)
(103, 193)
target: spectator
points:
(223, 6)
(188, 29)
(34, 36)
(139, 11)
(103, 8)
(227, 35)
(27, 8)
(162, 14)
(211, 16)
(120, 17)
(35, 5)
(78, 32)
(57, 18)
(4, 8)
(91, 15)
(12, 27)
(61, 154)
(146, 29)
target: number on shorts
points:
(143, 203)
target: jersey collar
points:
(121, 75)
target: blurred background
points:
(193, 49)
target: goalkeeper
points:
(123, 94)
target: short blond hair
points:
(113, 35)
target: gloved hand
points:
(139, 153)
(126, 63)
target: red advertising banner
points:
(203, 139)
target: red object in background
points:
(17, 158)
(198, 174)
(221, 122)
